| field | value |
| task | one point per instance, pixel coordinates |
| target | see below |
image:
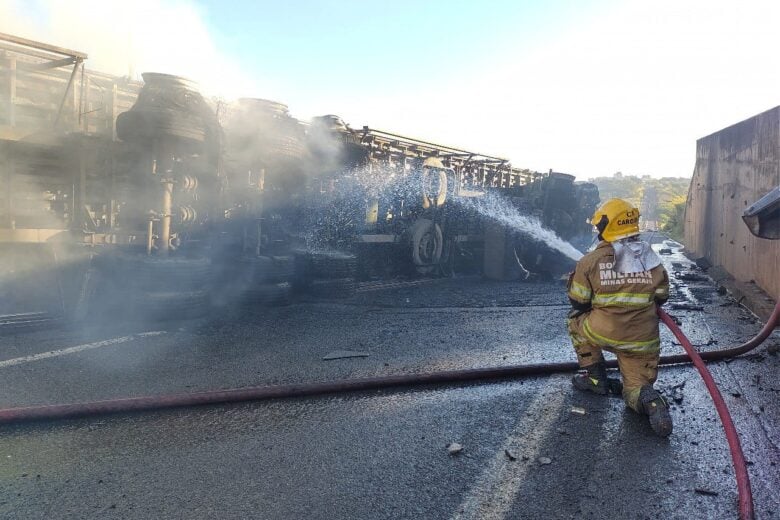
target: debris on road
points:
(509, 455)
(454, 448)
(686, 307)
(703, 263)
(676, 392)
(343, 354)
(707, 492)
(692, 277)
(578, 410)
(544, 461)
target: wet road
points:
(526, 453)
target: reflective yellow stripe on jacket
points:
(650, 346)
(579, 292)
(623, 299)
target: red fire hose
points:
(156, 402)
(61, 411)
(737, 457)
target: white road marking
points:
(494, 493)
(77, 348)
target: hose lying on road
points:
(61, 411)
(737, 457)
(49, 412)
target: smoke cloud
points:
(129, 38)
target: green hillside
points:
(661, 199)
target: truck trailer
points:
(129, 198)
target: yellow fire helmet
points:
(622, 220)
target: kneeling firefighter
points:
(614, 291)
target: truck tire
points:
(161, 306)
(333, 265)
(303, 271)
(282, 269)
(135, 287)
(271, 294)
(427, 242)
(165, 274)
(267, 269)
(146, 125)
(334, 288)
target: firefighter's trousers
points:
(638, 368)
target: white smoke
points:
(129, 38)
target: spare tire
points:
(434, 187)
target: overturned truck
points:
(146, 199)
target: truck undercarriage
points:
(122, 198)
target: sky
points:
(587, 87)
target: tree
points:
(671, 217)
(659, 198)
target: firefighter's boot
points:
(657, 410)
(595, 380)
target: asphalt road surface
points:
(529, 451)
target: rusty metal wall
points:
(734, 167)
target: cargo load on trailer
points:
(130, 198)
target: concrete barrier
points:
(735, 167)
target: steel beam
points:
(34, 67)
(42, 46)
(67, 90)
